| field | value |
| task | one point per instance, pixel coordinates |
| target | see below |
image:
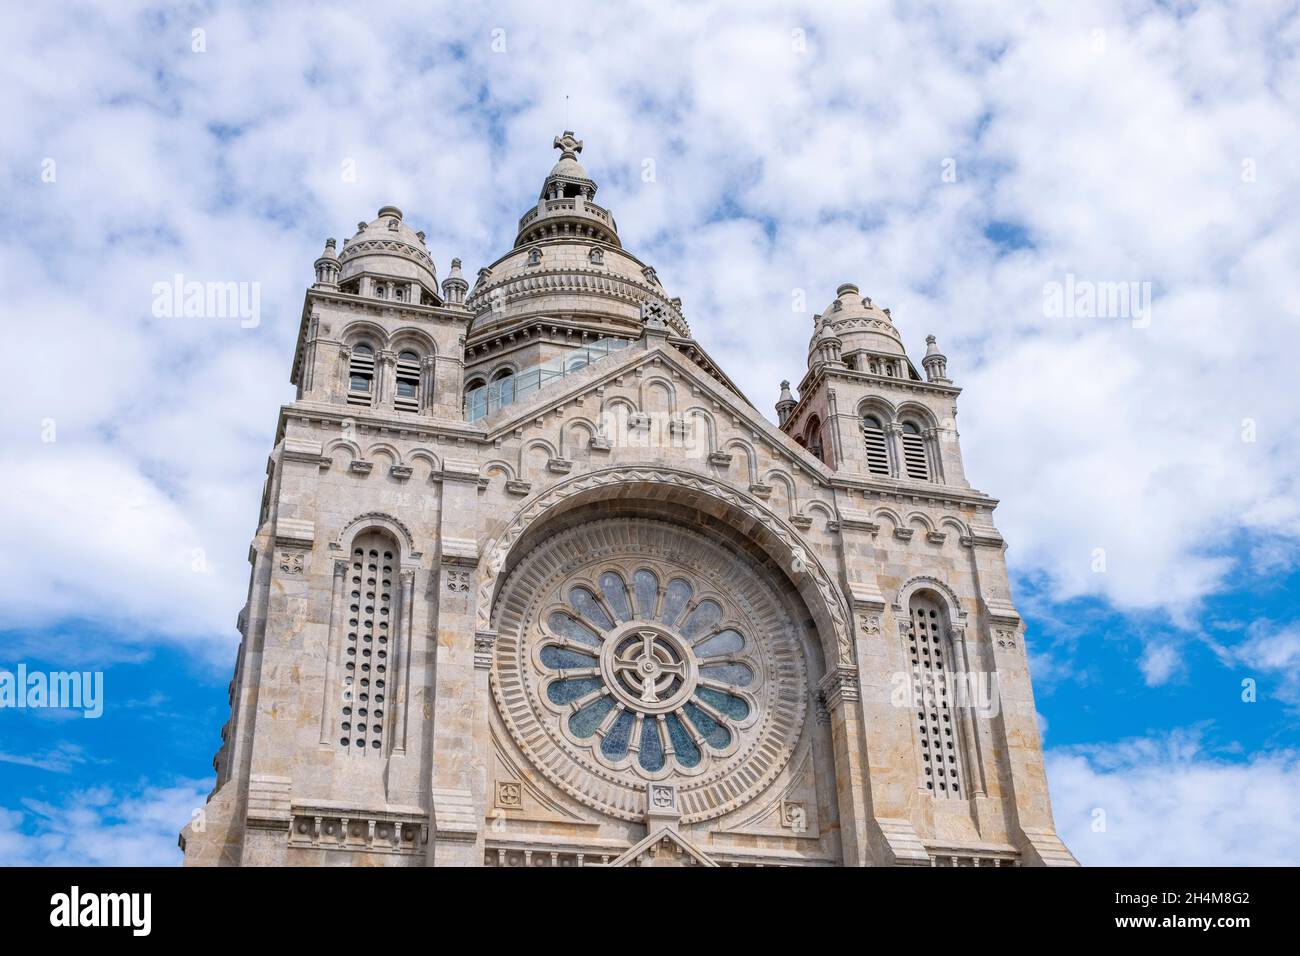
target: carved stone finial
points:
(568, 144)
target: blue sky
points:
(951, 162)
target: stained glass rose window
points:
(646, 672)
(633, 650)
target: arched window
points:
(380, 290)
(505, 385)
(933, 675)
(368, 643)
(407, 398)
(361, 375)
(916, 462)
(813, 438)
(873, 433)
(475, 399)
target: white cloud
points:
(1163, 802)
(1160, 662)
(776, 170)
(101, 826)
(1269, 650)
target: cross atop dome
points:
(569, 144)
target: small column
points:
(333, 689)
(894, 435)
(386, 378)
(402, 660)
(428, 365)
(967, 714)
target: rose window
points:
(632, 650)
(646, 671)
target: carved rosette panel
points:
(633, 651)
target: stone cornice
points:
(404, 424)
(455, 313)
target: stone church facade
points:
(533, 584)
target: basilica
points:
(533, 584)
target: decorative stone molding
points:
(360, 466)
(840, 684)
(510, 794)
(379, 519)
(484, 644)
(400, 472)
(454, 814)
(456, 580)
(302, 449)
(903, 534)
(516, 487)
(292, 562)
(460, 471)
(720, 458)
(269, 798)
(459, 552)
(794, 815)
(956, 613)
(902, 842)
(661, 807)
(760, 490)
(847, 656)
(801, 521)
(403, 831)
(832, 604)
(1006, 637)
(560, 466)
(295, 532)
(854, 520)
(664, 848)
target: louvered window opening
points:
(407, 398)
(361, 376)
(877, 449)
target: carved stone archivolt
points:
(632, 652)
(830, 608)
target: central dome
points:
(567, 262)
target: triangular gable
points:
(663, 847)
(614, 365)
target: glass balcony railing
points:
(494, 396)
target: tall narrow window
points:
(367, 646)
(915, 460)
(476, 399)
(361, 375)
(505, 385)
(408, 382)
(813, 438)
(931, 677)
(873, 433)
